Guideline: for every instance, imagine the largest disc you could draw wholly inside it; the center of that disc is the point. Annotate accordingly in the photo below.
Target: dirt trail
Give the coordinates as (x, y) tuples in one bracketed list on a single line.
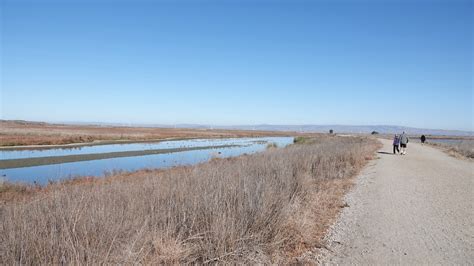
[(412, 209)]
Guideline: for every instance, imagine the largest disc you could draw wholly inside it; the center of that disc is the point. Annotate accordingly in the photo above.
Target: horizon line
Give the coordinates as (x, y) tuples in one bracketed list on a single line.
[(145, 124)]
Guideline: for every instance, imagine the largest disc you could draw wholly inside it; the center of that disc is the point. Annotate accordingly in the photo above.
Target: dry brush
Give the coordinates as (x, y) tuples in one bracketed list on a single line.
[(263, 208), (462, 149)]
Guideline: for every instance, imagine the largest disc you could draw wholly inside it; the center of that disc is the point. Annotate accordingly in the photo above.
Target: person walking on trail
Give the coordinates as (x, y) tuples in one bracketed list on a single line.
[(396, 144), (403, 143), (423, 139)]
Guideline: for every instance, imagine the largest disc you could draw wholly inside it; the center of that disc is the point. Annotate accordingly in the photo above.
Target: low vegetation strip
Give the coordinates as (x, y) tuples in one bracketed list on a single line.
[(262, 208), (36, 161), (464, 148), (22, 133)]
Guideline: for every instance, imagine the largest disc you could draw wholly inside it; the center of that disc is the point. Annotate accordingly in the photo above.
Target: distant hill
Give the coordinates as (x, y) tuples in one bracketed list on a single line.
[(382, 129), (360, 129)]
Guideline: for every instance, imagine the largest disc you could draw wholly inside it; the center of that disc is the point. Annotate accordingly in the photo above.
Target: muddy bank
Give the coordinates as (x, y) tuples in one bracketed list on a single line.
[(26, 162)]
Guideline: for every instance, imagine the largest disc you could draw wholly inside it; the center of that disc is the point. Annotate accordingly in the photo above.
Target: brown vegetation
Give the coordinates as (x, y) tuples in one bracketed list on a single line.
[(14, 133), (262, 208), (464, 148)]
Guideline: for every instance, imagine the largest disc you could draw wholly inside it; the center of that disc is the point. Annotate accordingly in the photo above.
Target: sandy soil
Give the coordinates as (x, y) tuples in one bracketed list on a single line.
[(412, 209)]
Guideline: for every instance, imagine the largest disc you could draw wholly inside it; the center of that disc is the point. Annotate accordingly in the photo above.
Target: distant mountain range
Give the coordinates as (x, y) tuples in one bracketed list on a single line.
[(382, 129), (361, 129)]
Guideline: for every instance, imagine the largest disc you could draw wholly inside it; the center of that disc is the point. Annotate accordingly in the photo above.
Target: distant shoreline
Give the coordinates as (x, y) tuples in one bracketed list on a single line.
[(17, 135)]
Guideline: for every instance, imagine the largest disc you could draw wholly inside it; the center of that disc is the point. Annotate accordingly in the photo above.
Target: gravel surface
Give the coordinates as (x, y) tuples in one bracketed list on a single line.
[(411, 209)]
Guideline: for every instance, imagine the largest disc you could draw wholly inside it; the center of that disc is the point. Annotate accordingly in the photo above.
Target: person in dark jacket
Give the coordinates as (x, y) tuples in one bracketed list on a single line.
[(423, 139), (396, 144), (403, 143)]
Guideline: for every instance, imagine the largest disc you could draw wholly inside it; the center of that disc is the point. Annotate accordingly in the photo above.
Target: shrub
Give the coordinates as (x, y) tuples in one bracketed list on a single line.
[(272, 145)]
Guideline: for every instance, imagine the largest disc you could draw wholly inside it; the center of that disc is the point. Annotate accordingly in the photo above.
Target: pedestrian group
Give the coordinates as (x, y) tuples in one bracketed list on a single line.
[(400, 143)]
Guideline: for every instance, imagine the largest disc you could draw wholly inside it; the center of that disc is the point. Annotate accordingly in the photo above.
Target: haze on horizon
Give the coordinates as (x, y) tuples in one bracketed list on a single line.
[(407, 63)]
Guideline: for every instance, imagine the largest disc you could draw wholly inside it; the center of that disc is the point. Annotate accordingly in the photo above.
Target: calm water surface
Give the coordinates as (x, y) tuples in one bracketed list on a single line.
[(42, 174), (18, 154)]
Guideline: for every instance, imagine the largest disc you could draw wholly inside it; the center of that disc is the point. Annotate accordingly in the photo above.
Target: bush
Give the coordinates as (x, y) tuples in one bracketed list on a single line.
[(300, 140), (272, 145)]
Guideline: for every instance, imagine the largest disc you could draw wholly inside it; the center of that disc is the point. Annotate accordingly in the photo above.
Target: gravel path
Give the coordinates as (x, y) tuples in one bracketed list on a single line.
[(412, 209)]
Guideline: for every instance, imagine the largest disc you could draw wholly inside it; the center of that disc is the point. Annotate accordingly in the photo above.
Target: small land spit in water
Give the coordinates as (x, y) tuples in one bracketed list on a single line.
[(43, 165), (267, 207)]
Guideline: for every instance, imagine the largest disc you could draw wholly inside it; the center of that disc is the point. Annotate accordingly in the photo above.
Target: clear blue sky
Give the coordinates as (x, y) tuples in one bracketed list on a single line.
[(239, 62)]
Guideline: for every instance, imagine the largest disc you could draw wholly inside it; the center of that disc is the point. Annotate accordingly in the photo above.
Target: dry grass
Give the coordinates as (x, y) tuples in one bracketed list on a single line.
[(14, 133), (463, 149), (16, 192), (262, 208)]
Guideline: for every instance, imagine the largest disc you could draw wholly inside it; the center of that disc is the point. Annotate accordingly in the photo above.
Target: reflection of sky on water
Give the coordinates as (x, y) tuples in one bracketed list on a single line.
[(43, 173), (4, 155)]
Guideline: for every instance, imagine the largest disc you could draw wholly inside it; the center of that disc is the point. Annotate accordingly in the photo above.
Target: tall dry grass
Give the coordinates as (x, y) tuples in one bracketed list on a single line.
[(463, 148), (262, 208)]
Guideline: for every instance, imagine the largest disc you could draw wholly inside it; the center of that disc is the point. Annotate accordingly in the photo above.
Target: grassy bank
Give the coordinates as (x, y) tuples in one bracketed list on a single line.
[(463, 149), (262, 208)]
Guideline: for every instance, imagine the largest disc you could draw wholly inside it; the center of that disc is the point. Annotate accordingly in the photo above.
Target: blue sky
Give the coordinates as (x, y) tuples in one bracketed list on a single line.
[(239, 62)]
